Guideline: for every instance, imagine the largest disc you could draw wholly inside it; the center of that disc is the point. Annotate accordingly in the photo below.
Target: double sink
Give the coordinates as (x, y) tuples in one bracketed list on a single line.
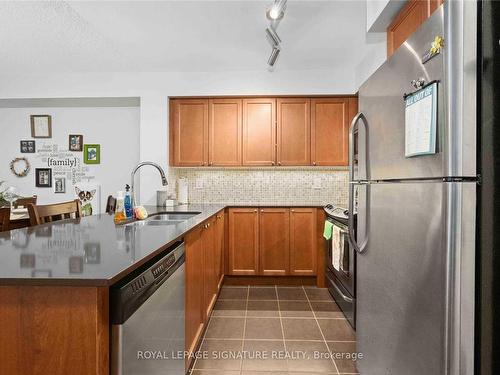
[(166, 218)]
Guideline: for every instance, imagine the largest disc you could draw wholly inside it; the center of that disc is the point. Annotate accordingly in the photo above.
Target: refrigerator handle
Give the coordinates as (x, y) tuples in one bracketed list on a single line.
[(360, 248)]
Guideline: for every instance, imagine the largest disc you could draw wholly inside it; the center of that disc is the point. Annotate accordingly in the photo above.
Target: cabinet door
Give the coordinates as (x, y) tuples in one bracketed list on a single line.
[(408, 21), (194, 288), (209, 272), (243, 241), (274, 241), (224, 130), (303, 241), (189, 132), (259, 131), (330, 131), (219, 248), (294, 131)]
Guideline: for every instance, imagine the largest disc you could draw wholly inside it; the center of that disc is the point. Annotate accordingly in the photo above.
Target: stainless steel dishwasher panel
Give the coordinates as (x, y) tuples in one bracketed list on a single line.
[(151, 340)]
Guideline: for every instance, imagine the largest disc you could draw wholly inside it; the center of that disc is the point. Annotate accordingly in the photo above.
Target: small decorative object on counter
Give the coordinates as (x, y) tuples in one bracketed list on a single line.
[(120, 208), (161, 197), (129, 212), (140, 213)]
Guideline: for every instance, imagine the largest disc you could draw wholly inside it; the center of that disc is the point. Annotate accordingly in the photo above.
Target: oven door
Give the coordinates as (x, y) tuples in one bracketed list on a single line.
[(345, 273)]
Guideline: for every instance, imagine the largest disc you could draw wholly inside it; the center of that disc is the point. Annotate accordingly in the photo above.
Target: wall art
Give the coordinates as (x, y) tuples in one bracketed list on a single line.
[(43, 177), (90, 197), (75, 142), (59, 185), (41, 126), (92, 154), (20, 167), (27, 147)]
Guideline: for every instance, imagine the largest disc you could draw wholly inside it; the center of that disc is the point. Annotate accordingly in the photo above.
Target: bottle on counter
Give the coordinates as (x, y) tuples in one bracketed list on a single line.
[(129, 211), (120, 208)]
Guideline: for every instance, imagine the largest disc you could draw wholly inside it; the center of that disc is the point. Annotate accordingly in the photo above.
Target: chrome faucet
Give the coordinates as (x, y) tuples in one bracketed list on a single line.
[(164, 181)]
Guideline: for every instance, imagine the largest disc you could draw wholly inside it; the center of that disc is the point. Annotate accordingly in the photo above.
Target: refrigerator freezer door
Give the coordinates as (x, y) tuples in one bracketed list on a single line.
[(401, 280)]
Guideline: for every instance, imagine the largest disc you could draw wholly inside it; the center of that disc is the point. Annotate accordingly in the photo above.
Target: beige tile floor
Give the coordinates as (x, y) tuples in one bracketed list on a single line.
[(261, 327)]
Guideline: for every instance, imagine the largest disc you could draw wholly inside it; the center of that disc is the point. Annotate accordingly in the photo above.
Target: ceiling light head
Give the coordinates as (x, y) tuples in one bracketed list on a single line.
[(274, 56), (272, 36), (276, 11)]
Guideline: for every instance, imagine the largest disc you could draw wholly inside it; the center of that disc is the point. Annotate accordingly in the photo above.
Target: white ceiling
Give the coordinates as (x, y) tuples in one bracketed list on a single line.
[(132, 36)]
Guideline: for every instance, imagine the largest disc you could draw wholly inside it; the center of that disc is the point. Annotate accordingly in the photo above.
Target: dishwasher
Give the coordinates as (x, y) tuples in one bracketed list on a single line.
[(147, 318)]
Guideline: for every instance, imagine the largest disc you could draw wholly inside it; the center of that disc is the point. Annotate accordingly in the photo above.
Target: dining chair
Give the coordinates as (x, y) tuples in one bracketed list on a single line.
[(111, 205), (24, 201), (4, 219), (54, 212)]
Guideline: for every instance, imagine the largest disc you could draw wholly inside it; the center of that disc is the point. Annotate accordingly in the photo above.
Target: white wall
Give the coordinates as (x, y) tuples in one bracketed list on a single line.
[(116, 129), (154, 89), (380, 13)]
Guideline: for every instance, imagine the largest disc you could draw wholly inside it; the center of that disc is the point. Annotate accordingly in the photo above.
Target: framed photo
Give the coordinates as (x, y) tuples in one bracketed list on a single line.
[(92, 154), (27, 147), (75, 142), (41, 126), (59, 185), (43, 177)]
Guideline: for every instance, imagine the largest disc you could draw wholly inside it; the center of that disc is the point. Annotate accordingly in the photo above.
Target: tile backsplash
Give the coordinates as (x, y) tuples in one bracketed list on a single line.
[(308, 186)]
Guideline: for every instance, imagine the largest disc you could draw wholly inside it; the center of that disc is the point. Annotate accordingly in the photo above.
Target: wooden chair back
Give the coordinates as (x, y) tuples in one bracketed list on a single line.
[(24, 201), (54, 212), (111, 205), (4, 219)]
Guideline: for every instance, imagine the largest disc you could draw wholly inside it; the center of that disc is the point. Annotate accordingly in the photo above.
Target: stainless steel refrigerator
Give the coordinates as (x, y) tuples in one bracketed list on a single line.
[(416, 215)]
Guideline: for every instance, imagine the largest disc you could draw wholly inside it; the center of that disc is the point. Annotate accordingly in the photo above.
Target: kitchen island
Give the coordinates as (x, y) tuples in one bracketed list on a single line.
[(54, 287)]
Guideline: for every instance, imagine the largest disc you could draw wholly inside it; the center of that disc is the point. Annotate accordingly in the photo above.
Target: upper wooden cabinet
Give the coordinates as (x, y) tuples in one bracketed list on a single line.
[(259, 132), (274, 241), (243, 252), (329, 131), (224, 132), (294, 131), (408, 21), (188, 132)]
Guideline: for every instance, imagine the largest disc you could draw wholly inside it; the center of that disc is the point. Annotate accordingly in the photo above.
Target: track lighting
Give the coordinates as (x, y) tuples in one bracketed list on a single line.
[(274, 56), (272, 36), (277, 10)]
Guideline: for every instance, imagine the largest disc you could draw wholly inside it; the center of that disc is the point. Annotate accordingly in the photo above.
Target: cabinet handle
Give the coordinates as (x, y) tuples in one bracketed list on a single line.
[(261, 210), (293, 210), (314, 163), (254, 210), (279, 163), (272, 163)]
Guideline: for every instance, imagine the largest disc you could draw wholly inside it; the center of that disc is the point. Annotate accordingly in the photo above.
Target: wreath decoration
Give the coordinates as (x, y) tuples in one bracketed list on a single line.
[(14, 167)]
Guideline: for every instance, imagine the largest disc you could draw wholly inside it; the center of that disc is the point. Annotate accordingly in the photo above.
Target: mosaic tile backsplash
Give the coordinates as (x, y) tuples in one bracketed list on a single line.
[(265, 186)]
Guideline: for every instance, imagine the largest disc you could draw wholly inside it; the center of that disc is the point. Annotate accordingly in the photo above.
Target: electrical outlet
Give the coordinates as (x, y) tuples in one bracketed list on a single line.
[(317, 183)]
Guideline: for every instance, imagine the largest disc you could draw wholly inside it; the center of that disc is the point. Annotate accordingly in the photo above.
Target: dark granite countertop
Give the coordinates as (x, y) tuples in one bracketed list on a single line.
[(94, 251)]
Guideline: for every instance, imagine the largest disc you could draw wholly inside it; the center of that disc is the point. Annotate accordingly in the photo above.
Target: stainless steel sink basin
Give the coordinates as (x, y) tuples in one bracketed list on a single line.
[(173, 216)]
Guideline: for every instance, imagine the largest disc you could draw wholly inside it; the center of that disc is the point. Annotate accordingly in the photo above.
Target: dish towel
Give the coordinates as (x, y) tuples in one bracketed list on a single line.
[(336, 248), (327, 232)]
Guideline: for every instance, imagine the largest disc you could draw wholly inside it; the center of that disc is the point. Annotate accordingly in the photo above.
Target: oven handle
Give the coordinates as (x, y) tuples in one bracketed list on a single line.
[(346, 298), (360, 248)]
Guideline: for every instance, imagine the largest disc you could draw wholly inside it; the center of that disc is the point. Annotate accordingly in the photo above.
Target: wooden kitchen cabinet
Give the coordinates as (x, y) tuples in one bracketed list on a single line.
[(330, 120), (303, 241), (225, 132), (219, 247), (243, 251), (259, 131), (408, 20), (274, 241), (194, 303), (210, 281), (293, 131), (189, 132)]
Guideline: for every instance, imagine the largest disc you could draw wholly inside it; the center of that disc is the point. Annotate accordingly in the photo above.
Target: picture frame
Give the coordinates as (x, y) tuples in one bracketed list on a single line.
[(27, 147), (41, 126), (43, 177), (92, 154), (59, 185), (75, 142)]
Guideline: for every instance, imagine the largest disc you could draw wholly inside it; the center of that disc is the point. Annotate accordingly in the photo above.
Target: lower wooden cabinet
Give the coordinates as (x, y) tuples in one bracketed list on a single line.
[(303, 241), (210, 281), (272, 241), (219, 247), (243, 252), (194, 288)]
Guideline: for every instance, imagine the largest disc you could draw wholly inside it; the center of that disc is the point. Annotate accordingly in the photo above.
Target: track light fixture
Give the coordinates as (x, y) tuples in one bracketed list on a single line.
[(272, 36), (276, 11), (274, 56)]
